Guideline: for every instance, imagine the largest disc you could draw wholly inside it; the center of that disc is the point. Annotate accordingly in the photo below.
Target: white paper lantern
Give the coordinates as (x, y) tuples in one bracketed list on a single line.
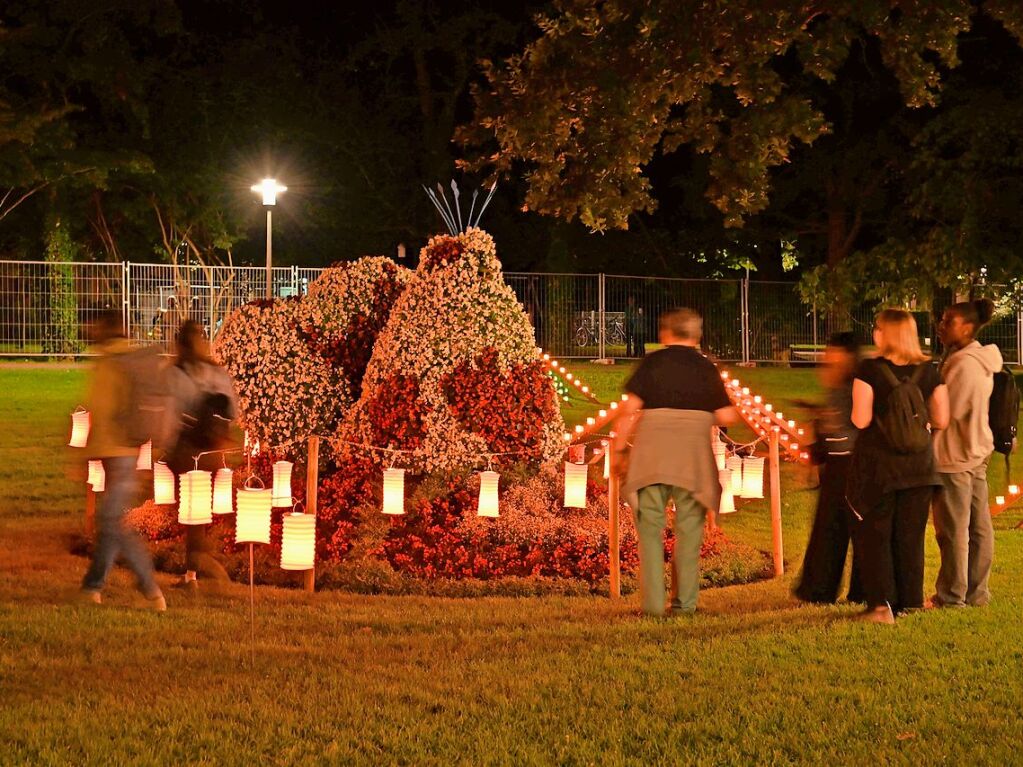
[(163, 483), (488, 503), (720, 451), (999, 500), (752, 478), (1014, 489), (97, 477), (298, 542), (394, 491), (575, 485), (80, 423), (223, 492), (282, 485), (734, 464), (196, 498), (252, 524), (727, 505), (145, 460), (607, 459)]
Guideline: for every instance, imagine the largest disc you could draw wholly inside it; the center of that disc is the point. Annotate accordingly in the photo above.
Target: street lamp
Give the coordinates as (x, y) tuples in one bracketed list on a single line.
[(269, 189)]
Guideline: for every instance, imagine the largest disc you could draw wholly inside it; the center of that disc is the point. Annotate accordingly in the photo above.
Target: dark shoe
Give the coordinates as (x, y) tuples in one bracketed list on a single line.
[(882, 614)]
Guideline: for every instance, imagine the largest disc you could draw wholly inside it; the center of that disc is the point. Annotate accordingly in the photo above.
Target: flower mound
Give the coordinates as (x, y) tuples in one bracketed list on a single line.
[(455, 372)]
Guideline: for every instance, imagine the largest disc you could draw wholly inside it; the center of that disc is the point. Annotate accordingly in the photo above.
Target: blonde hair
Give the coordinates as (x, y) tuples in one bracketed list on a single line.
[(684, 324), (899, 341)]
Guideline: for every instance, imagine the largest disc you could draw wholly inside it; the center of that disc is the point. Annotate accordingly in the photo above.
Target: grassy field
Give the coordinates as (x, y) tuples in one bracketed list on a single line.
[(332, 678)]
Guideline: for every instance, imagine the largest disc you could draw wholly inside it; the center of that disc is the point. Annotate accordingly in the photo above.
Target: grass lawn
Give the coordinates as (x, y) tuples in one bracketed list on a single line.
[(753, 678)]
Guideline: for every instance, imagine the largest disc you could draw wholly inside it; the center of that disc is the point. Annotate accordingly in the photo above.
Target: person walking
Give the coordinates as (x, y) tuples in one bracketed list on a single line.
[(110, 403), (824, 561), (202, 405), (962, 518), (674, 398), (893, 477)]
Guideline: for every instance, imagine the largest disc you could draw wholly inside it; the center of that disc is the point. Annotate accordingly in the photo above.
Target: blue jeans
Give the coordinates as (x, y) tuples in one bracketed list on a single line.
[(113, 537)]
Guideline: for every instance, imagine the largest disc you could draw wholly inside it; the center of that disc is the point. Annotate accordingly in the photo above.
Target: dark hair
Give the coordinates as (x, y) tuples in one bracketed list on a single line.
[(977, 313), (108, 324), (846, 341), (188, 350)]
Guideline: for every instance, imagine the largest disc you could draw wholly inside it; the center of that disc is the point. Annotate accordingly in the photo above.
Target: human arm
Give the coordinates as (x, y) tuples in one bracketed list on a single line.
[(938, 407), (725, 416), (863, 404)]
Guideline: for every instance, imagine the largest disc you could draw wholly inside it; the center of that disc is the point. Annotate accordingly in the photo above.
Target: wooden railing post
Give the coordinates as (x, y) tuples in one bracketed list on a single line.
[(779, 553), (312, 481)]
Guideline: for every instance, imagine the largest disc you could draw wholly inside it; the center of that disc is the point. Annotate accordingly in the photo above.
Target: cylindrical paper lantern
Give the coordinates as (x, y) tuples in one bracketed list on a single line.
[(80, 422), (727, 505), (97, 477), (734, 464), (223, 492), (720, 451), (488, 503), (752, 478), (282, 485), (1014, 489), (196, 498), (575, 485), (394, 491), (999, 500), (145, 459), (298, 542), (253, 522), (163, 483)]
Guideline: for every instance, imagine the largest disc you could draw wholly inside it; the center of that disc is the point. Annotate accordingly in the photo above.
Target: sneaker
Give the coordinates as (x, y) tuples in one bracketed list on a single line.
[(158, 603), (90, 596), (882, 614)]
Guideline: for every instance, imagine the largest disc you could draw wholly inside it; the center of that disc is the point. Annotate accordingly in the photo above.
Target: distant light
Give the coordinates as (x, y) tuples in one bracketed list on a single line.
[(269, 188)]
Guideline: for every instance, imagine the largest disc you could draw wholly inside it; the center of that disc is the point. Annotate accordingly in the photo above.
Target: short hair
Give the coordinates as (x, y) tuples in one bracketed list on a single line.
[(899, 337), (846, 341), (977, 313), (683, 323)]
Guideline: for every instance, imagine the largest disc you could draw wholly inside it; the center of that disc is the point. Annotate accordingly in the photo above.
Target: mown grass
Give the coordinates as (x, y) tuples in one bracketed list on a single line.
[(335, 678)]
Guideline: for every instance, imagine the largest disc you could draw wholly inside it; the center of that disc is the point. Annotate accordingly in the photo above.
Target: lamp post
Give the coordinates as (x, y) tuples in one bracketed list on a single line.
[(269, 189)]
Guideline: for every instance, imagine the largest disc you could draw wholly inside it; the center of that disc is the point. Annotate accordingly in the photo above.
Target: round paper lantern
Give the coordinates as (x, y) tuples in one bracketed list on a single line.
[(282, 485), (80, 422), (727, 505), (752, 478), (298, 542), (488, 503), (163, 483), (196, 498), (97, 477), (394, 491), (575, 485), (223, 492), (145, 459), (254, 508)]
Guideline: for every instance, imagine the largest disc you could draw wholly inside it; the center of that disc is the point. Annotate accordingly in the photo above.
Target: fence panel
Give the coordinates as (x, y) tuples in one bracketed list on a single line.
[(45, 307), (564, 310)]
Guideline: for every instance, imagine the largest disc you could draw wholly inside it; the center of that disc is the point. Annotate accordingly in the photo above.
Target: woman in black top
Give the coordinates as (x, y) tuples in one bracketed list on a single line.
[(890, 491)]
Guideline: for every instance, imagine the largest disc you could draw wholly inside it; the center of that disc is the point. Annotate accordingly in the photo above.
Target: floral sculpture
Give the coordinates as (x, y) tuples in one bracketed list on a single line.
[(298, 363), (455, 377)]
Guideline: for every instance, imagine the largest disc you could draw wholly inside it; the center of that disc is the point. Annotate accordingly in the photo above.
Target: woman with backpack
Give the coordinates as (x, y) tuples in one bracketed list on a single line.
[(962, 518), (203, 403), (898, 398)]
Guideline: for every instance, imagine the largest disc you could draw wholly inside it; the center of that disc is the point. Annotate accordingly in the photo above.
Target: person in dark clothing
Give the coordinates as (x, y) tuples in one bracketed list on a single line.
[(824, 561), (890, 491), (634, 342)]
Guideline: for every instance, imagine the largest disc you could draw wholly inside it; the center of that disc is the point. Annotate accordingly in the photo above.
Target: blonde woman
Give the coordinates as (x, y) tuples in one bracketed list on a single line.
[(890, 484)]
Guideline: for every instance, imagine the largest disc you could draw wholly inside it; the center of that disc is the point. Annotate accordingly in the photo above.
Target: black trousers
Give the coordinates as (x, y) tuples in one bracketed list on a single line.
[(824, 561), (890, 545)]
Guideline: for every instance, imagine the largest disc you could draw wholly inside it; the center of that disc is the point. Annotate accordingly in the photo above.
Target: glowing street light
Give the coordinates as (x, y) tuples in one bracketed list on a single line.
[(269, 189)]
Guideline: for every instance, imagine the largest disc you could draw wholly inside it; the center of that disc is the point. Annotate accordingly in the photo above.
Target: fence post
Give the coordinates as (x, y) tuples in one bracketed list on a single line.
[(602, 314), (778, 545), (312, 479), (126, 298), (744, 318)]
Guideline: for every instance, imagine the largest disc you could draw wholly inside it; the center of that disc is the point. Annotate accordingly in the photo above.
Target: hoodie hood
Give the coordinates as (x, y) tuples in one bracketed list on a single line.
[(989, 356)]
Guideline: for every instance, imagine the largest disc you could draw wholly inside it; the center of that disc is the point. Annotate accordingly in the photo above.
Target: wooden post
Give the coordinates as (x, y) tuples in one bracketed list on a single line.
[(90, 513), (614, 560), (312, 480), (779, 553)]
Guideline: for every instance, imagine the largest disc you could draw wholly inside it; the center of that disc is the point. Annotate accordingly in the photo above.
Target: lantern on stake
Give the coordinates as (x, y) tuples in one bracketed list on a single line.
[(252, 524), (163, 483), (575, 485), (488, 501), (80, 423), (223, 492), (196, 498), (752, 478), (282, 485), (394, 491), (727, 505), (145, 460), (97, 477), (298, 541)]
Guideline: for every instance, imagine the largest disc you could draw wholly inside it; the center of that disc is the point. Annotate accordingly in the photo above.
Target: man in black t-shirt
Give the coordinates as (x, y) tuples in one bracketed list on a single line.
[(675, 397)]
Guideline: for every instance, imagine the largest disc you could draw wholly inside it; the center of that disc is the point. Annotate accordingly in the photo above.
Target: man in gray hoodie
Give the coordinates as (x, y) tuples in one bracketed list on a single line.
[(962, 517)]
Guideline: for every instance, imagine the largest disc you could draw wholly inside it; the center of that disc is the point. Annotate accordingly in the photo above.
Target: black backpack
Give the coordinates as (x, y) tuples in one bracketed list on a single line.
[(206, 427), (904, 421), (1003, 411)]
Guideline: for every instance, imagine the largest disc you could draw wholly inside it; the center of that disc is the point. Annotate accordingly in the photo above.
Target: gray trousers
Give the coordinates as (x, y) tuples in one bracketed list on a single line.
[(966, 538)]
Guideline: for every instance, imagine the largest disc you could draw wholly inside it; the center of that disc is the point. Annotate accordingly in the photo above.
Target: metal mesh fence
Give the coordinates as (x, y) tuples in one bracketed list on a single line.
[(44, 308)]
